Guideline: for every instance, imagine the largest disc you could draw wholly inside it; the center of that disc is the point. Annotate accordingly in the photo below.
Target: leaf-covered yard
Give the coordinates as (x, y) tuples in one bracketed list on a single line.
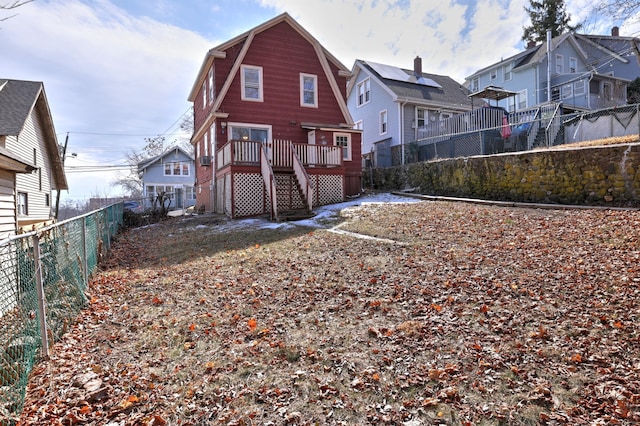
[(409, 314)]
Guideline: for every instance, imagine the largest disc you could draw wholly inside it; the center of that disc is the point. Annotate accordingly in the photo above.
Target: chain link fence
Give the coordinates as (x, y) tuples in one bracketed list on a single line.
[(43, 280), (473, 133)]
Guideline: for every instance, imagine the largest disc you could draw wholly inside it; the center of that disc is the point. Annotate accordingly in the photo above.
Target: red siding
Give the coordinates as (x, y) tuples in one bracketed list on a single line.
[(283, 54)]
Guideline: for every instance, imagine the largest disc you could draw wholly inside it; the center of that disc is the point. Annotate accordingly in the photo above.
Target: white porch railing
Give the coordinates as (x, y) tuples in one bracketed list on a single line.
[(279, 153), (303, 180), (269, 183)]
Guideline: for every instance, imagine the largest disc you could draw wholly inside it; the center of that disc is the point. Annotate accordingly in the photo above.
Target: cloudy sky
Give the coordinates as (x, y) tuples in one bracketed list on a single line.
[(119, 71)]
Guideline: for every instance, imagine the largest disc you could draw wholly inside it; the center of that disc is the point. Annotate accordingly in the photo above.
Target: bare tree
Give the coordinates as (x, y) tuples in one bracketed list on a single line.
[(131, 182), (618, 9), (12, 5)]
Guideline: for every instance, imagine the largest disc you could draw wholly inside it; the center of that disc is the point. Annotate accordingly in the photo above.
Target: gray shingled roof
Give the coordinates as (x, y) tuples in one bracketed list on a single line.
[(450, 92), (17, 99)]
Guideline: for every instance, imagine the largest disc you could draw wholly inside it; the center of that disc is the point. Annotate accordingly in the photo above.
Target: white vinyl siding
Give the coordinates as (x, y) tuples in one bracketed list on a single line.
[(7, 205), (38, 184)]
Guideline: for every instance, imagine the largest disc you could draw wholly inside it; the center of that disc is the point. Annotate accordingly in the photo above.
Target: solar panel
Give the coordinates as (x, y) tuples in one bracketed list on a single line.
[(398, 74)]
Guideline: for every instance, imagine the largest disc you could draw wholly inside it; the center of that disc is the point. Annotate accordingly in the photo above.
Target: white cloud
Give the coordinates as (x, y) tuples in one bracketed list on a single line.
[(104, 72), (451, 38)]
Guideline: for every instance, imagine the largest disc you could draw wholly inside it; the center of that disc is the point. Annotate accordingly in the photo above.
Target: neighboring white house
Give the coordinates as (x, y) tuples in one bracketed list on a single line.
[(30, 162), (171, 173), (389, 104)]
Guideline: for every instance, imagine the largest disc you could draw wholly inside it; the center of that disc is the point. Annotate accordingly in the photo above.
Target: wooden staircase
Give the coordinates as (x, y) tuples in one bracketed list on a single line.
[(288, 183)]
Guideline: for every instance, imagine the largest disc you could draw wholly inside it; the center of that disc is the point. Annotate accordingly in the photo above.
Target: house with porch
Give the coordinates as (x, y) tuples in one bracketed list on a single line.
[(390, 104), (583, 72), (272, 131), (169, 179), (30, 162)]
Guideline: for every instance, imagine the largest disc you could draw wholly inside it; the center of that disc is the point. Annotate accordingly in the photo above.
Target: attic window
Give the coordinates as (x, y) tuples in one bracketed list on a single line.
[(251, 77), (494, 74), (308, 90)]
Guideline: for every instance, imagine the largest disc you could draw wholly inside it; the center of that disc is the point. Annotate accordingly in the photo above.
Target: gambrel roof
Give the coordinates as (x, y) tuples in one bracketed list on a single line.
[(17, 101), (245, 40)]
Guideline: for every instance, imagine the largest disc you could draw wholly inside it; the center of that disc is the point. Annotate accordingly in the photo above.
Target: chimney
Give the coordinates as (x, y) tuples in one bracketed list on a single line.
[(417, 66), (531, 43), (615, 32)]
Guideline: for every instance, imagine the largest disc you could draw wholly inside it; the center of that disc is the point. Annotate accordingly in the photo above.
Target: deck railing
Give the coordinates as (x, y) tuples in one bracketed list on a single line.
[(269, 183), (279, 153), (303, 180)]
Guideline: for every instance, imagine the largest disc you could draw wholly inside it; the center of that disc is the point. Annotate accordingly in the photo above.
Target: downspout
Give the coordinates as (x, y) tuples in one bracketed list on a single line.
[(549, 66), (401, 123)]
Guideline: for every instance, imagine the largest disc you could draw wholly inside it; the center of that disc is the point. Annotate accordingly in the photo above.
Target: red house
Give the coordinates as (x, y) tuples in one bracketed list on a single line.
[(272, 131)]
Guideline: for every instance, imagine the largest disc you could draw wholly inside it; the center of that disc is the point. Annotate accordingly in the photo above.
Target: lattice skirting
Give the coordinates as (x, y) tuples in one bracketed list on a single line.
[(248, 196), (243, 194), (328, 189)]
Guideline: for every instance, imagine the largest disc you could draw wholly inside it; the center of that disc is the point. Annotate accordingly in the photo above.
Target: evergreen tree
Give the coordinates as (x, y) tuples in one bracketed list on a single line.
[(547, 15)]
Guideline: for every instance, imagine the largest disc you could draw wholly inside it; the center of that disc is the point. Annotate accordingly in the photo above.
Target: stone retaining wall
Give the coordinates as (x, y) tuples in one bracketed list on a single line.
[(607, 175)]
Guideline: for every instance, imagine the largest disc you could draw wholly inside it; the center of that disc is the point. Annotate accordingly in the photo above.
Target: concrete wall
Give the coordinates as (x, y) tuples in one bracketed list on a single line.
[(608, 175)]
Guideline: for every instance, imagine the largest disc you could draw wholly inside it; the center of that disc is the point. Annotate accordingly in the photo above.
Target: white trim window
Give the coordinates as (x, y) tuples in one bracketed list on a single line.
[(559, 64), (251, 82), (364, 92), (573, 65), (566, 91), (22, 204), (308, 90), (343, 140), (383, 122), (249, 132), (475, 85), (506, 71), (493, 74), (422, 116), (176, 168), (204, 95), (212, 87), (358, 125), (579, 88), (522, 99)]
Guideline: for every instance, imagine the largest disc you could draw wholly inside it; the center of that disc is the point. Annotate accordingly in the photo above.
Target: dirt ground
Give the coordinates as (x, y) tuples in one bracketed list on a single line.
[(409, 314)]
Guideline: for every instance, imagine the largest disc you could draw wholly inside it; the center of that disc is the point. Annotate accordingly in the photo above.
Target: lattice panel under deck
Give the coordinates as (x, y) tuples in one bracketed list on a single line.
[(329, 189), (248, 197)]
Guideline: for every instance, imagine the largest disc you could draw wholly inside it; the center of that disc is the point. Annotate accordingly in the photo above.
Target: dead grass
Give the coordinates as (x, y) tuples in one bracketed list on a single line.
[(446, 314)]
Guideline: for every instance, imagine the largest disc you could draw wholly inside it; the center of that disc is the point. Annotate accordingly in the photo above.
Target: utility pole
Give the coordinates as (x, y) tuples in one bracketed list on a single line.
[(64, 154)]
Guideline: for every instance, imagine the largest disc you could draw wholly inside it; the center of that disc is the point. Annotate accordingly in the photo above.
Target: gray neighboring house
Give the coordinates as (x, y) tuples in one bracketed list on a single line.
[(172, 173), (30, 162), (586, 72), (389, 104)]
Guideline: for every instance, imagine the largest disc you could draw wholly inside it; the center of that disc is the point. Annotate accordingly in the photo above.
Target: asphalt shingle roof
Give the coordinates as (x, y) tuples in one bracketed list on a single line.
[(17, 99), (450, 92)]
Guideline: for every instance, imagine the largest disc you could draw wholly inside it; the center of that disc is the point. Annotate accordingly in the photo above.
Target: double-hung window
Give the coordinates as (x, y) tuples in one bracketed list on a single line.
[(559, 64), (506, 71), (212, 87), (22, 204), (308, 90), (383, 122), (251, 80), (364, 92), (573, 65)]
